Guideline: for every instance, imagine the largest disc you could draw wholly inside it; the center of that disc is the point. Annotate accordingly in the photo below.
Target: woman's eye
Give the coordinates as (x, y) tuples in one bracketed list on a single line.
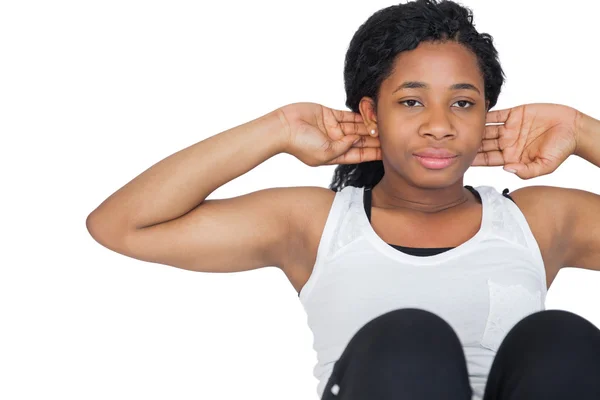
[(460, 101), (465, 101), (406, 101)]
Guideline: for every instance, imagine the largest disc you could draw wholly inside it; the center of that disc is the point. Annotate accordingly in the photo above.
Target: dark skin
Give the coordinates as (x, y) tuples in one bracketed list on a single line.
[(412, 119)]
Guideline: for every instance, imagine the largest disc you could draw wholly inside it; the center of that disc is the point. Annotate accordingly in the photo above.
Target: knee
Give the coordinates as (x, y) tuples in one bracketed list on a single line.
[(398, 353), (547, 349), (554, 334), (554, 326), (408, 331)]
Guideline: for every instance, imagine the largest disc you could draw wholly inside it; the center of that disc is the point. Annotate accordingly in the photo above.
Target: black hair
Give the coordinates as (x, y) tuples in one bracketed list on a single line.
[(389, 31)]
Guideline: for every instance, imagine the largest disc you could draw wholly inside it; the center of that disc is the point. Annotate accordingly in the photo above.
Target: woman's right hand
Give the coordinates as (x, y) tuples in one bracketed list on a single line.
[(317, 135)]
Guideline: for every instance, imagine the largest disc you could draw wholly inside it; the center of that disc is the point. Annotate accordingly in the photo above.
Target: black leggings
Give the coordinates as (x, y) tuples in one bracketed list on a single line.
[(551, 354)]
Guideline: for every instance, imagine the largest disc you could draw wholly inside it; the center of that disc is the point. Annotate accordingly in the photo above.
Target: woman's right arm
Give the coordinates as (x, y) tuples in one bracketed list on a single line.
[(162, 216)]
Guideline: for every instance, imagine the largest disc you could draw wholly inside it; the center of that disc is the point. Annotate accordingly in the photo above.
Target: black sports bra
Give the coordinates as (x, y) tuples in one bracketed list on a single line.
[(421, 251)]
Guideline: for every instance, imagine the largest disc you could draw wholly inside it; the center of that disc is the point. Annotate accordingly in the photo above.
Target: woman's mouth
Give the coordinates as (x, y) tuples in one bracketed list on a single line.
[(436, 162)]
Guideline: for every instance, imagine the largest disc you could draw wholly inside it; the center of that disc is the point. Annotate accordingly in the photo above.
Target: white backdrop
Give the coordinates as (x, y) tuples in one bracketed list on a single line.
[(94, 92)]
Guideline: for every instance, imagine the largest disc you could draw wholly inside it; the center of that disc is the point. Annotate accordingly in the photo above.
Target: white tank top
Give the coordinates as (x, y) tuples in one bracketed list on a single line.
[(482, 288)]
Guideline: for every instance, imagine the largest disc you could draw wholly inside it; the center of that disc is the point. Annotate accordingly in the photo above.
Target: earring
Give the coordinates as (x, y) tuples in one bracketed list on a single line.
[(373, 132)]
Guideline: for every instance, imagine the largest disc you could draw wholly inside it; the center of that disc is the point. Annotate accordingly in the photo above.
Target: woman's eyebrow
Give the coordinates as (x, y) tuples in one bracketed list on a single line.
[(423, 85)]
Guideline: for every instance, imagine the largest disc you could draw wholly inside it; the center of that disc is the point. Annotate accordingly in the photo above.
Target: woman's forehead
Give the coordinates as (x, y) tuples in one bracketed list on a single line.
[(437, 66)]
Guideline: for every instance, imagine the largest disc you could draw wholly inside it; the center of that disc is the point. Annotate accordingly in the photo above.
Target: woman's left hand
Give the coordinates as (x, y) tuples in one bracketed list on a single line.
[(534, 140)]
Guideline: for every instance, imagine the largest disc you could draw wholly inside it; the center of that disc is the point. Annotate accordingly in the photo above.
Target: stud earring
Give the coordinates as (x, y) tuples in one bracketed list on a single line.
[(373, 132)]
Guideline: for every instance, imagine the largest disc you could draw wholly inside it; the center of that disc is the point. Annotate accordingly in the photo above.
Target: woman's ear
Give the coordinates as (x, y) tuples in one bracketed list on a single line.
[(367, 110)]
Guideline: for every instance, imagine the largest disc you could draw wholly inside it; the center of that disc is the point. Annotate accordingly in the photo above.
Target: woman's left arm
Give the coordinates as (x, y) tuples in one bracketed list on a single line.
[(534, 140)]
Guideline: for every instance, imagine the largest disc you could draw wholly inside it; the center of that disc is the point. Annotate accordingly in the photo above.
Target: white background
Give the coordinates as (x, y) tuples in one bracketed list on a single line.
[(95, 92)]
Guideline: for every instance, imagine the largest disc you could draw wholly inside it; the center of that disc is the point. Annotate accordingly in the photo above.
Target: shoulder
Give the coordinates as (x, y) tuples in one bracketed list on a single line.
[(544, 203), (545, 208), (308, 208), (308, 216), (310, 202)]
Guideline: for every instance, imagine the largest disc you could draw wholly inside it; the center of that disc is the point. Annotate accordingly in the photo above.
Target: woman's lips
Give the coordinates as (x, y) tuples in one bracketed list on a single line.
[(436, 162)]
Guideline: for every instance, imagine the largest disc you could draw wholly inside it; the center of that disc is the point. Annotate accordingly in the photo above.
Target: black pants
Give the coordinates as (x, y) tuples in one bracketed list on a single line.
[(414, 354)]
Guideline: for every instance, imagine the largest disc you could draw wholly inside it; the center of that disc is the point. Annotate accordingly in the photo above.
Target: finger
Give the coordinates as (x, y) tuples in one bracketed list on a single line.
[(498, 115), (353, 128), (368, 141), (533, 169), (347, 116), (357, 156), (488, 159), (492, 131), (489, 145)]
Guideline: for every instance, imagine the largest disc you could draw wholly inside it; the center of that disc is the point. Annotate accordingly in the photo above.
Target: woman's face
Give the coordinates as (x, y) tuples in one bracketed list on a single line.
[(411, 119)]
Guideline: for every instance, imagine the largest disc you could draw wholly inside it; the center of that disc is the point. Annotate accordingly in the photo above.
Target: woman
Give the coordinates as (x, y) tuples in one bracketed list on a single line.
[(415, 285)]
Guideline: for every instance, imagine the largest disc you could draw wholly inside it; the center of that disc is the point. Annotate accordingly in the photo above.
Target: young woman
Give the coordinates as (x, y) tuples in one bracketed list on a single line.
[(415, 286)]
